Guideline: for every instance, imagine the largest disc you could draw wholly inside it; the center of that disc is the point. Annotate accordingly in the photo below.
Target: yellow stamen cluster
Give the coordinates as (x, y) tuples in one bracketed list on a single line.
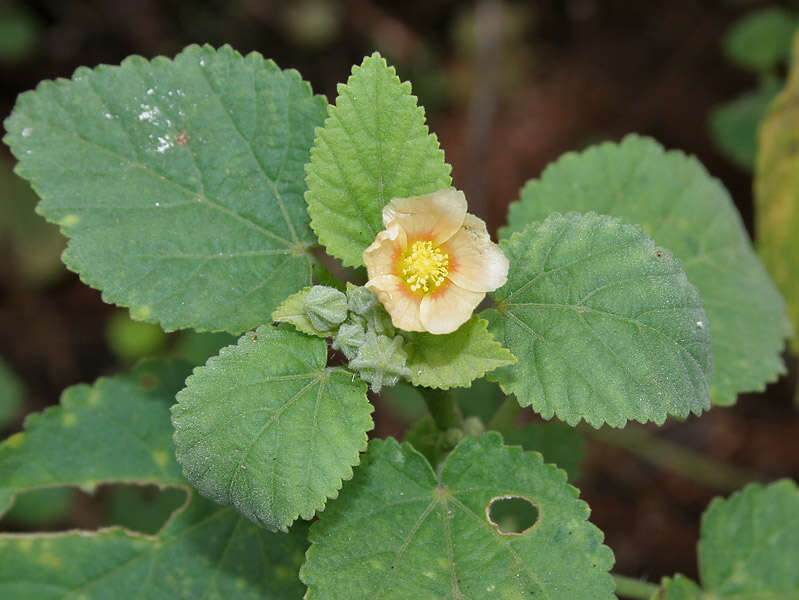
[(424, 267)]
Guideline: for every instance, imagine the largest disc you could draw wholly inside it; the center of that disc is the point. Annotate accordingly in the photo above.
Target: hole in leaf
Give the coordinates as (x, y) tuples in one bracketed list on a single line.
[(512, 515), (140, 508)]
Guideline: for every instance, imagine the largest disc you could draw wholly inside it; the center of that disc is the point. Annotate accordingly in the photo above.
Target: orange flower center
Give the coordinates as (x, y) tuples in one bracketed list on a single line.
[(424, 267)]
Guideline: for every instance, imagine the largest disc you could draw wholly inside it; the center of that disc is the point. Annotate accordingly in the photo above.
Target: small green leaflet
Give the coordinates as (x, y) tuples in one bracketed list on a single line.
[(605, 324), (429, 537), (747, 547), (373, 147), (205, 551), (777, 195), (292, 310), (734, 125), (691, 214), (116, 430), (179, 182), (455, 359), (761, 40), (264, 426)]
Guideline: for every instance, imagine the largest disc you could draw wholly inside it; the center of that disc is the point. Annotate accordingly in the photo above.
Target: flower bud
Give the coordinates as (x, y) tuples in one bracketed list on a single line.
[(350, 337), (325, 307), (360, 300), (381, 360)]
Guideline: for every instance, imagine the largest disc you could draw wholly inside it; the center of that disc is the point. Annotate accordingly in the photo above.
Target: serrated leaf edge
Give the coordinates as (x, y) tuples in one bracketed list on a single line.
[(658, 418), (332, 108), (332, 491), (132, 61), (489, 439), (510, 359)]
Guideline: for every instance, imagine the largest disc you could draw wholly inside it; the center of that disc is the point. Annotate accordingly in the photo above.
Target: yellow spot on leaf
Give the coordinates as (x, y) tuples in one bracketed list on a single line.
[(68, 419), (161, 458), (140, 313), (50, 560), (69, 220), (15, 441), (94, 398), (25, 544)]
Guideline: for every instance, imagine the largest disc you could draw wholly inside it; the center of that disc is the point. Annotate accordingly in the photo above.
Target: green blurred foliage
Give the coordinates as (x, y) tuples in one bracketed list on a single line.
[(38, 509), (10, 395), (143, 508), (19, 34), (132, 340), (761, 40), (734, 125), (199, 347), (35, 244)]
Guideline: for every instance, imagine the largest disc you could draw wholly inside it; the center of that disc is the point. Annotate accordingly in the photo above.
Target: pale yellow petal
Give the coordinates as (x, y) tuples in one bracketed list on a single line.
[(476, 225), (448, 309), (475, 262), (435, 217), (398, 300), (381, 256)]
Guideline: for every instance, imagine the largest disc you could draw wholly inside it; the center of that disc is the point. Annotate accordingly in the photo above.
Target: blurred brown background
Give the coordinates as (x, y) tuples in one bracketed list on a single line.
[(508, 86)]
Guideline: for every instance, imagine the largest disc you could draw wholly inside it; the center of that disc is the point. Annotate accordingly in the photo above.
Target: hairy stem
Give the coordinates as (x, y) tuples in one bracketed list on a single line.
[(663, 453), (627, 587)]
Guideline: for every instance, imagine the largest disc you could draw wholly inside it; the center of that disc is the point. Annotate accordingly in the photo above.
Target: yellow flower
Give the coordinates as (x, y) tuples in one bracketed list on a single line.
[(433, 263)]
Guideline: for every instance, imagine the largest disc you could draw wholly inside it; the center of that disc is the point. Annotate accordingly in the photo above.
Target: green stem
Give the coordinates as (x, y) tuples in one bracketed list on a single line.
[(505, 417), (627, 587), (443, 408), (663, 453)]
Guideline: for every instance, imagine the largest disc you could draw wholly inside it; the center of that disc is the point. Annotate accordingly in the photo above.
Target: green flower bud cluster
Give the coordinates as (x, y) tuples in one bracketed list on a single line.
[(370, 342), (359, 325)]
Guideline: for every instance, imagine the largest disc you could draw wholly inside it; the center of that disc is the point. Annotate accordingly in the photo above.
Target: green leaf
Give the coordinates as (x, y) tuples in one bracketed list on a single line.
[(455, 359), (429, 537), (116, 430), (605, 324), (559, 443), (292, 310), (10, 395), (264, 426), (749, 542), (206, 551), (761, 40), (691, 214), (178, 181), (734, 125), (748, 546), (777, 194), (373, 147)]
